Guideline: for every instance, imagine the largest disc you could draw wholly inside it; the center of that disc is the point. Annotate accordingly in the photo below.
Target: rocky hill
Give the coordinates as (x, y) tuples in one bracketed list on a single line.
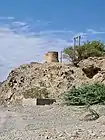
[(94, 68), (49, 80)]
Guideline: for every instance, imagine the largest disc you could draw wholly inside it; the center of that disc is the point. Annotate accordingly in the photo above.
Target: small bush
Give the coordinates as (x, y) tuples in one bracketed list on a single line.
[(88, 49), (36, 92), (86, 95)]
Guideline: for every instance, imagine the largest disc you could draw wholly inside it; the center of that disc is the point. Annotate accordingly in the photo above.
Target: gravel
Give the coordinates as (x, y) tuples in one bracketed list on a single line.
[(53, 122)]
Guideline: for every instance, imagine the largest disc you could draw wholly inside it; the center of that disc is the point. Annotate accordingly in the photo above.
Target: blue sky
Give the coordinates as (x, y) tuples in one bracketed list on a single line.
[(29, 28), (63, 13)]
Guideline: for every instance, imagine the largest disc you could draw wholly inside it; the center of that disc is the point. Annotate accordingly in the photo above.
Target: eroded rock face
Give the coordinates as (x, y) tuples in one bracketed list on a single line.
[(47, 80), (92, 66)]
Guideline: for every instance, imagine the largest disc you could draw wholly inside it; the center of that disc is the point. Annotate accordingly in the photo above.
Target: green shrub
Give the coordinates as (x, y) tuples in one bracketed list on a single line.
[(86, 95), (88, 49), (36, 92)]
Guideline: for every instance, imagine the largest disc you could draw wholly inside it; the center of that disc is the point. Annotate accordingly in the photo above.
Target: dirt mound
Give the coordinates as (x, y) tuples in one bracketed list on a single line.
[(47, 80), (50, 80)]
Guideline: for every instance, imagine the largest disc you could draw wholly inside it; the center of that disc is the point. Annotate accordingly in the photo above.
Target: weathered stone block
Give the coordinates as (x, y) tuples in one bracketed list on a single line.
[(34, 101), (51, 57), (29, 102), (45, 101)]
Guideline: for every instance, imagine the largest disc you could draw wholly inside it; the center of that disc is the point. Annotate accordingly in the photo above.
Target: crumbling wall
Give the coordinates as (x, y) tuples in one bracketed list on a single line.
[(51, 57)]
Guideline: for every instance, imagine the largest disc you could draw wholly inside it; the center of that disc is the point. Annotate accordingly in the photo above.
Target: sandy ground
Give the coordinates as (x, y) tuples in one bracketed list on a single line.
[(49, 122)]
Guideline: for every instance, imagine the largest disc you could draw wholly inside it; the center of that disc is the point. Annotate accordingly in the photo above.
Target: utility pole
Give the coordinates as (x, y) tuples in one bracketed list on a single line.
[(79, 40), (75, 38), (75, 41), (61, 57), (74, 47)]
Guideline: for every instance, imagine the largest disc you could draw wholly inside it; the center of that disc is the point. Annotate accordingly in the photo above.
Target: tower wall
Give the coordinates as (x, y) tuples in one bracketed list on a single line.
[(51, 57)]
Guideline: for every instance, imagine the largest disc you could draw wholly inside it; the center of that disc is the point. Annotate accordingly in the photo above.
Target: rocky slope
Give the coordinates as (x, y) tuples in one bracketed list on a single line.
[(50, 80), (94, 68)]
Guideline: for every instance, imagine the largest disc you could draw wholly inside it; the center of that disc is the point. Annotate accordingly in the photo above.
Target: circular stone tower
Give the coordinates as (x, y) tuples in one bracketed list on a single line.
[(51, 57)]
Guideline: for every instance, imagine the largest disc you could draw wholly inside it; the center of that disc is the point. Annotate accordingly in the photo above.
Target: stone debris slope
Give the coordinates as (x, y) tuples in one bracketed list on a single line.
[(47, 80), (49, 123), (50, 80)]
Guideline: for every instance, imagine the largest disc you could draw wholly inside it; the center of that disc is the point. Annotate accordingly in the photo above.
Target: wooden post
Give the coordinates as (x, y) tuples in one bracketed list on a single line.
[(61, 57), (79, 40), (75, 38), (74, 42)]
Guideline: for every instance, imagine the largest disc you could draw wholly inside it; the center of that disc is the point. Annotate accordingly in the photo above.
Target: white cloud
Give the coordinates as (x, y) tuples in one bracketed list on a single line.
[(10, 18), (17, 23), (7, 18), (83, 36), (92, 31), (55, 31), (20, 43), (90, 34), (18, 47)]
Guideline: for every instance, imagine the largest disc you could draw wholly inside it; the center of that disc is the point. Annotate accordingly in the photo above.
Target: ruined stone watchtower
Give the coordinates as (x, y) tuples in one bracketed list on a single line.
[(51, 57)]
